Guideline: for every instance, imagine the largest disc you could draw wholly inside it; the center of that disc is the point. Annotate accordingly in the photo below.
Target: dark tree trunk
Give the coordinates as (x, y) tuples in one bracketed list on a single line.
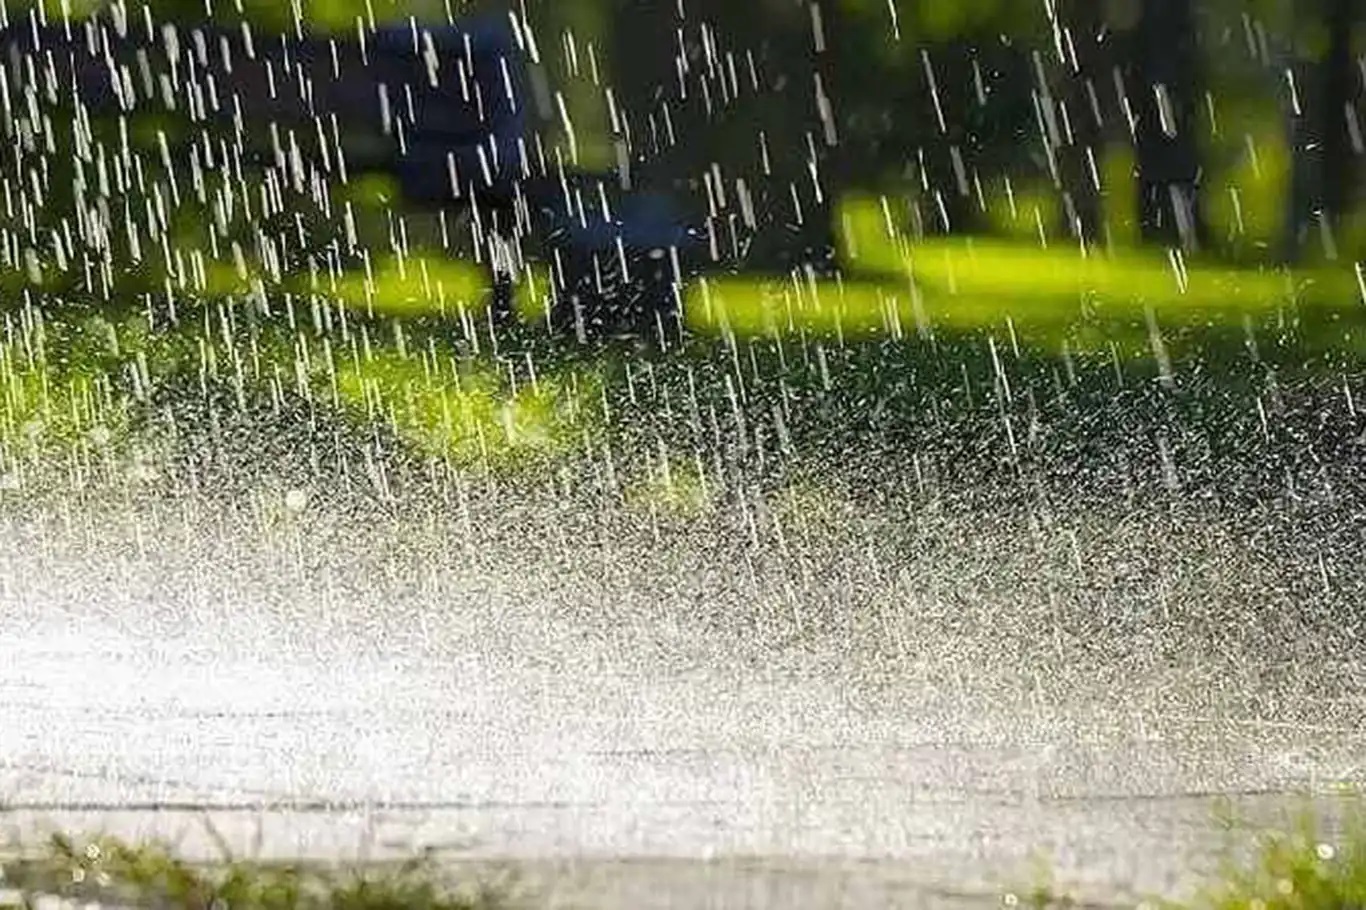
[(1342, 91), (953, 137), (1086, 64), (1324, 133), (739, 151), (1165, 97)]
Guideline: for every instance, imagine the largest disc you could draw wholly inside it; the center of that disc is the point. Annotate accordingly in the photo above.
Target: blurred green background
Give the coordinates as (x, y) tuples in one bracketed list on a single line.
[(1135, 180)]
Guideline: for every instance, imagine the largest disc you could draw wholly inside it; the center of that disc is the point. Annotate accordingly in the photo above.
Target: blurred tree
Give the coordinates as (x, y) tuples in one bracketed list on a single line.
[(1324, 124), (1163, 86), (572, 68), (939, 101), (1081, 56), (1058, 118), (731, 105)]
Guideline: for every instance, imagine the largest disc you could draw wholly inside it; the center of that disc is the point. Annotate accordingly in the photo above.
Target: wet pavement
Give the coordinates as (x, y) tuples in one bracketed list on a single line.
[(351, 707)]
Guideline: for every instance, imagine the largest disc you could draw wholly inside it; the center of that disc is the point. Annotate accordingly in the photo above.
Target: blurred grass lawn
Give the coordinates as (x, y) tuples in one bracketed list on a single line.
[(73, 382), (1044, 296)]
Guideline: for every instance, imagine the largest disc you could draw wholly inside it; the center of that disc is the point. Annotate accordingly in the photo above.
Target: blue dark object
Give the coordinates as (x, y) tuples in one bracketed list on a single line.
[(642, 221), (447, 107), (618, 270)]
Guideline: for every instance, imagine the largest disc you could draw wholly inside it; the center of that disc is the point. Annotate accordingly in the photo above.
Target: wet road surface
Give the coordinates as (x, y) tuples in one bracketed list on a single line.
[(351, 706)]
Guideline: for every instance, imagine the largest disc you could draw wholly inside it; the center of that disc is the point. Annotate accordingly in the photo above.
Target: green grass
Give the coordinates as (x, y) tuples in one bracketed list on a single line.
[(1307, 863), (110, 871), (895, 286), (73, 382), (1303, 868), (1310, 865)]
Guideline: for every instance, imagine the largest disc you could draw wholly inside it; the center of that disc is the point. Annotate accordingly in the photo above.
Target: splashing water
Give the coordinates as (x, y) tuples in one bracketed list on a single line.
[(915, 431)]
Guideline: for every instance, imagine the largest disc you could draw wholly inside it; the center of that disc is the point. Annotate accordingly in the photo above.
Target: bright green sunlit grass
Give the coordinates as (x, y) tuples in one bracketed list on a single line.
[(1046, 294), (470, 416), (406, 287), (75, 384)]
